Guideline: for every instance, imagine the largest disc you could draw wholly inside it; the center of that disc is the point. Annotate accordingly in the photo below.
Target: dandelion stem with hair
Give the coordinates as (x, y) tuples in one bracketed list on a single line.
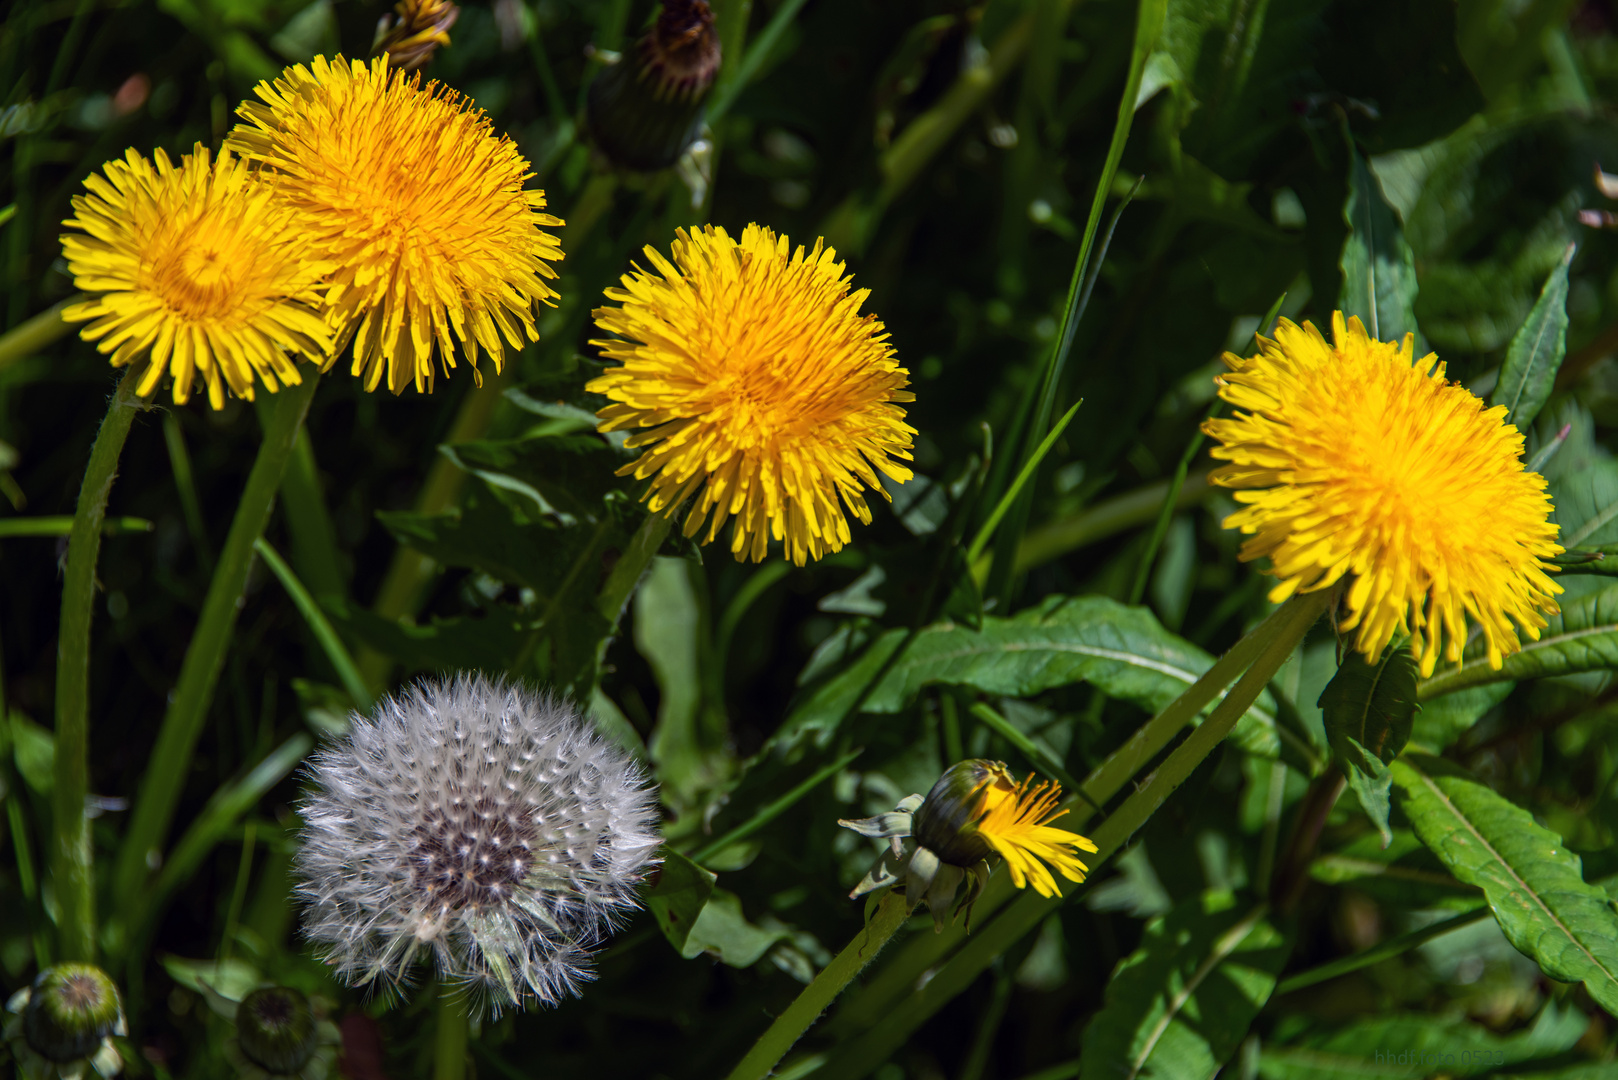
[(72, 860)]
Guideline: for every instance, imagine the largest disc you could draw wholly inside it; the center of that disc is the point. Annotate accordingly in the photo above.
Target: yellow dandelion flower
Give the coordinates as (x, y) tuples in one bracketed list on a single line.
[(1016, 823), (1357, 462), (762, 388), (192, 272), (417, 203)]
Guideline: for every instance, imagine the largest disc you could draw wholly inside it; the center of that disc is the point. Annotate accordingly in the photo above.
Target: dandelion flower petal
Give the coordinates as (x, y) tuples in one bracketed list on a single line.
[(757, 387), (1353, 461), (417, 203), (193, 272)]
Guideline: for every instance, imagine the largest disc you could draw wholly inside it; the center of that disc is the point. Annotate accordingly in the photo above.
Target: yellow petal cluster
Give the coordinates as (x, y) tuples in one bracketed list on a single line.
[(1016, 823), (193, 272), (419, 206), (758, 387), (1354, 461)]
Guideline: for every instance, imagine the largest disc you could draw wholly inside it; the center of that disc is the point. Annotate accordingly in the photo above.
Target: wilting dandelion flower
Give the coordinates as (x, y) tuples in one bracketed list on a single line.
[(764, 392), (194, 272), (417, 204), (478, 823), (63, 1024), (1359, 463), (417, 29), (974, 812)]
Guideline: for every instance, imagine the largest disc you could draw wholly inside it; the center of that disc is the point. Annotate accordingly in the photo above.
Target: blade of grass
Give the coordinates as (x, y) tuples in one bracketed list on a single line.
[(62, 525), (325, 634), (981, 541), (771, 811), (1377, 953), (28, 338), (1037, 756), (733, 82), (1002, 571), (185, 484)]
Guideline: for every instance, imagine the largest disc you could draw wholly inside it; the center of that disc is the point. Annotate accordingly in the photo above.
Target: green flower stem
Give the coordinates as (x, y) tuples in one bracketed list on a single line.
[(1377, 953), (72, 860), (862, 1054), (62, 525), (927, 951), (188, 705), (632, 564), (28, 338), (773, 1045), (454, 1028)]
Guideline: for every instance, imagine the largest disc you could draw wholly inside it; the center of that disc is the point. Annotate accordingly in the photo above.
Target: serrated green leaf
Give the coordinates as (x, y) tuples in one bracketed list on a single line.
[(1404, 873), (678, 897), (1582, 637), (688, 743), (1534, 884), (1410, 1046), (490, 643), (1535, 354), (1367, 710), (1123, 650), (1177, 1008), (1379, 269), (566, 475)]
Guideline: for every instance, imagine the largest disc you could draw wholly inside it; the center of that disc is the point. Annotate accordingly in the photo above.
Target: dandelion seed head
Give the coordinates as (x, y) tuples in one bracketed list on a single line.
[(481, 824)]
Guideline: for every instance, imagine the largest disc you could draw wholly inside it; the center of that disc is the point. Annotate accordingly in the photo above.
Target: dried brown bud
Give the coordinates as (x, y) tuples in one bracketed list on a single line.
[(414, 32), (646, 109)]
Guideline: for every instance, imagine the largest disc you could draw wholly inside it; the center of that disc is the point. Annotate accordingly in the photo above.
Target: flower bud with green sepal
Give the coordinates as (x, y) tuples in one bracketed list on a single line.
[(645, 110), (63, 1024)]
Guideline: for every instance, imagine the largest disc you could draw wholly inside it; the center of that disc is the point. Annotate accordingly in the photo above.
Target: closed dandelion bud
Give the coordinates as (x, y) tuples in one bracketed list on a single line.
[(646, 109), (275, 1029), (414, 32), (64, 1022), (478, 824)]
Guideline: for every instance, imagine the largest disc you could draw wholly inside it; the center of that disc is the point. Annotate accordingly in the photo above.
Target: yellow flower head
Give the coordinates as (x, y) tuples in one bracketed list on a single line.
[(193, 271), (1359, 462), (761, 386), (417, 203)]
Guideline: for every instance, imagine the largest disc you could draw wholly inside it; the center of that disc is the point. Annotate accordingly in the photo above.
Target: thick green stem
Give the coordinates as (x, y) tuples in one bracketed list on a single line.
[(188, 705), (454, 1027), (773, 1045), (72, 861)]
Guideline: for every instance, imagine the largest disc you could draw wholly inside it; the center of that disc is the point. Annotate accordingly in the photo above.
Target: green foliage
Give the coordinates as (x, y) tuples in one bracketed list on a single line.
[(1179, 1006), (1420, 163), (1064, 640), (1535, 885), (1536, 351), (1367, 709)]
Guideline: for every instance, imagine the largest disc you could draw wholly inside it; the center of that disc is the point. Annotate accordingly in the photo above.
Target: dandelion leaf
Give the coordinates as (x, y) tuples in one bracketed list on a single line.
[(1367, 709), (1534, 884)]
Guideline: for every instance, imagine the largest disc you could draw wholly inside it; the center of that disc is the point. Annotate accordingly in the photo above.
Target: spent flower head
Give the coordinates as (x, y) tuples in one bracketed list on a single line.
[(61, 1027), (419, 207), (761, 391), (482, 824), (194, 272), (1354, 461), (974, 812)]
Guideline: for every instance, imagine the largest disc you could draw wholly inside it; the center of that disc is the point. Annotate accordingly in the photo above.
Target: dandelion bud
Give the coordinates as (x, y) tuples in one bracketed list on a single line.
[(65, 1020), (480, 824), (644, 110), (280, 1035), (974, 812), (414, 33)]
